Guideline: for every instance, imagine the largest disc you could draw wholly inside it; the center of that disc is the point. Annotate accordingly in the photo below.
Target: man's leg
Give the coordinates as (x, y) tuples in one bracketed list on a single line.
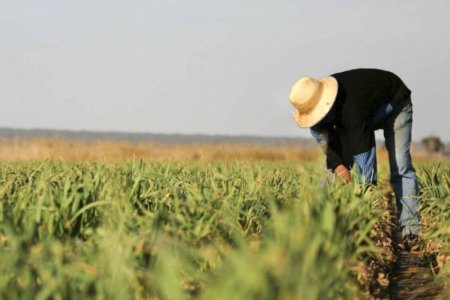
[(397, 134)]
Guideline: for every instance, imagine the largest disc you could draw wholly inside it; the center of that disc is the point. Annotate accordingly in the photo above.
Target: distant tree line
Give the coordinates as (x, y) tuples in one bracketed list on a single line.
[(433, 144)]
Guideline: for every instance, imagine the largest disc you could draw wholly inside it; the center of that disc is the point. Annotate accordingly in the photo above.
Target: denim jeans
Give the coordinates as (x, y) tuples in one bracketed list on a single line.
[(397, 129)]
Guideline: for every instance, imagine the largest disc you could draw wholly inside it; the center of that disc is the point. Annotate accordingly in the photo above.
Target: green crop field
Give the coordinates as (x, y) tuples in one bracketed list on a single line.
[(170, 230)]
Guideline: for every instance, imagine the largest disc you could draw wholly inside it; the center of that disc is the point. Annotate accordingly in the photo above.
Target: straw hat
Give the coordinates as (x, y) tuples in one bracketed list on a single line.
[(312, 99)]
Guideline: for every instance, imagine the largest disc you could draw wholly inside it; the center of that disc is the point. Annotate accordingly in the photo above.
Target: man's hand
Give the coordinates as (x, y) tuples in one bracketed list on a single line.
[(342, 172)]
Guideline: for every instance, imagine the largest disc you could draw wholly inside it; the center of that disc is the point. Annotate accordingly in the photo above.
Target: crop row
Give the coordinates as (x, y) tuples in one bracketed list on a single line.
[(187, 230)]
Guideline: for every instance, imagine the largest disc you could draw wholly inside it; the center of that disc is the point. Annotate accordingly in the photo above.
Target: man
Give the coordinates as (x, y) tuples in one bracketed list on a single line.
[(343, 111)]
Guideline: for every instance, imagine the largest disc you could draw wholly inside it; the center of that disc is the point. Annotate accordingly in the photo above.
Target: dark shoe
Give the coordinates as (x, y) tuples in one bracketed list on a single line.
[(410, 242)]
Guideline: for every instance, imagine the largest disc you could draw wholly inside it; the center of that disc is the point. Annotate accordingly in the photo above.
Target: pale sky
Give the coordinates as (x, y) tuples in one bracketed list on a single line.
[(209, 66)]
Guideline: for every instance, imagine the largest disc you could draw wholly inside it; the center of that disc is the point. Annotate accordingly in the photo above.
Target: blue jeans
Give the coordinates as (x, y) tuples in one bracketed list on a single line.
[(397, 129)]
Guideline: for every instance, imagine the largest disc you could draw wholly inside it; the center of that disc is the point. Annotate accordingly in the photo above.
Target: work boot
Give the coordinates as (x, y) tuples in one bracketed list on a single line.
[(410, 242)]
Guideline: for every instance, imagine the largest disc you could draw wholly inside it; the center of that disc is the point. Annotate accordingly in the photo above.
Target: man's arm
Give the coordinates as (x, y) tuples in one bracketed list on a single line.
[(366, 166), (327, 140), (366, 162)]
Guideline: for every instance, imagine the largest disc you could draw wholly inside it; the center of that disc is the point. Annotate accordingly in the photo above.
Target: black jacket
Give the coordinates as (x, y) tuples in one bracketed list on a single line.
[(360, 93)]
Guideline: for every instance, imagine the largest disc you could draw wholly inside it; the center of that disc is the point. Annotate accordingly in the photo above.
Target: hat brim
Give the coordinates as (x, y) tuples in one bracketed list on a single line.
[(323, 106)]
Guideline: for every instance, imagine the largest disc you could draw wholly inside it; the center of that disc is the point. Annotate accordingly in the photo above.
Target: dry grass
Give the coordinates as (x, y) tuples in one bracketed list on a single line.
[(77, 150)]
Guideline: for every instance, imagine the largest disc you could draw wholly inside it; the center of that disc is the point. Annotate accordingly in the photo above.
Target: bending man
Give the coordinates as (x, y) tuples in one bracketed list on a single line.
[(344, 110)]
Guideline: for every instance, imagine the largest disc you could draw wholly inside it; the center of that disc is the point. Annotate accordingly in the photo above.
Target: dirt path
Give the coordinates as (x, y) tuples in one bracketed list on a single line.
[(411, 276)]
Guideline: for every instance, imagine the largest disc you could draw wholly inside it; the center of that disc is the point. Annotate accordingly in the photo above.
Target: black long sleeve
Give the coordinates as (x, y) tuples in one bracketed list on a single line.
[(361, 93), (327, 138)]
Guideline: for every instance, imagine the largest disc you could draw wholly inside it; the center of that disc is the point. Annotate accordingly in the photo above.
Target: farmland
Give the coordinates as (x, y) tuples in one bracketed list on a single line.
[(204, 230)]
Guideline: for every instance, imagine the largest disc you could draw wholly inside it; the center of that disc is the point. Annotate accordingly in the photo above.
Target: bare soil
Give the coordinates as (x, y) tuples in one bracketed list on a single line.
[(398, 273), (411, 275), (412, 278)]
